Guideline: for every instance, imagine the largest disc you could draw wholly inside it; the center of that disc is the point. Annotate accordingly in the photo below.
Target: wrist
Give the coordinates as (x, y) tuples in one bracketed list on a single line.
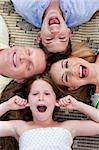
[(7, 106), (79, 105)]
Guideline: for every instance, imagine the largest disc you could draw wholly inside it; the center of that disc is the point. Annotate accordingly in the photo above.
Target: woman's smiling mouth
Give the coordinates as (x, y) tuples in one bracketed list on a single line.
[(83, 71)]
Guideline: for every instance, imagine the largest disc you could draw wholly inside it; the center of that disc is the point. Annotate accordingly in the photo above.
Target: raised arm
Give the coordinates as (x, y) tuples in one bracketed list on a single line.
[(7, 129), (69, 102), (13, 103)]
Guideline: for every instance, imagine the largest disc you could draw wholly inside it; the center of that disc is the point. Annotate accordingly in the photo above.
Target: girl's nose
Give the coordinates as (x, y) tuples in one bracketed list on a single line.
[(41, 97)]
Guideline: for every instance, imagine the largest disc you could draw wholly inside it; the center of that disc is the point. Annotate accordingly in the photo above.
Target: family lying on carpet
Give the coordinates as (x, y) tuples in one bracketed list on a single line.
[(54, 17)]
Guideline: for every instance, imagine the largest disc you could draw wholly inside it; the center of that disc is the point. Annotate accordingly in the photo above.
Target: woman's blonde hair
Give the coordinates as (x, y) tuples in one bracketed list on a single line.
[(79, 49)]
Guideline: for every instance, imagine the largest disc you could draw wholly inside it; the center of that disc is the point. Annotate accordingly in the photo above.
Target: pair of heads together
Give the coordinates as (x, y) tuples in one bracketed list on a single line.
[(21, 63)]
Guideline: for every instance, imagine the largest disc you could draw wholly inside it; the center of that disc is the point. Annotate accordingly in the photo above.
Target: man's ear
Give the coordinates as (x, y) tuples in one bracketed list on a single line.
[(38, 38), (19, 80), (73, 88)]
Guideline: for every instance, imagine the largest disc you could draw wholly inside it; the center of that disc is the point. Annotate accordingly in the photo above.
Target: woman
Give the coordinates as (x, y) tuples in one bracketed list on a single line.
[(42, 132), (58, 69)]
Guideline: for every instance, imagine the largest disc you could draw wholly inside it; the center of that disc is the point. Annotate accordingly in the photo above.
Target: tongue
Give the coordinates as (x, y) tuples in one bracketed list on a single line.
[(41, 108), (85, 72)]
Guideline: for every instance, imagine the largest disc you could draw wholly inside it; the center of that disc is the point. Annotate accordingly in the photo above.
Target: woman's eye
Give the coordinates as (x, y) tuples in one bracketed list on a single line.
[(66, 64), (66, 78)]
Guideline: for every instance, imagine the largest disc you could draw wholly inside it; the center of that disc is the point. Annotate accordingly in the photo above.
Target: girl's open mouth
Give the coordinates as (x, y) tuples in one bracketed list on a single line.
[(41, 108)]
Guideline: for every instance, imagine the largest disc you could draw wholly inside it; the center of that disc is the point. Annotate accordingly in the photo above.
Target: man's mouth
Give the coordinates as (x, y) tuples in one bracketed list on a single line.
[(14, 59), (41, 108), (54, 20), (83, 72)]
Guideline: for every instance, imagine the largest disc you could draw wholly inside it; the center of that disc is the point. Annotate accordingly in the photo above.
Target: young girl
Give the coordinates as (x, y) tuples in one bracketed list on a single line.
[(43, 132)]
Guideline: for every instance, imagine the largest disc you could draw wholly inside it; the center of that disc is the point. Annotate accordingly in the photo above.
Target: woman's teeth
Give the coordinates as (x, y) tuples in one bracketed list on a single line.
[(80, 71), (83, 71)]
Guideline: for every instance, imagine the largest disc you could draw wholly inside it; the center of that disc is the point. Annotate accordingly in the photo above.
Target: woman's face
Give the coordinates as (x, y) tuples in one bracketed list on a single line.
[(42, 100), (72, 72)]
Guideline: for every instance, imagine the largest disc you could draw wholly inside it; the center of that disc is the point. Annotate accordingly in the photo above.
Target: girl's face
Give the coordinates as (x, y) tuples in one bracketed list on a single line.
[(72, 72), (42, 100)]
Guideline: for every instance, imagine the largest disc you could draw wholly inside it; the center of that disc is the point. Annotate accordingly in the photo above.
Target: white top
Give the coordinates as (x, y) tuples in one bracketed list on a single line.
[(4, 41), (51, 138)]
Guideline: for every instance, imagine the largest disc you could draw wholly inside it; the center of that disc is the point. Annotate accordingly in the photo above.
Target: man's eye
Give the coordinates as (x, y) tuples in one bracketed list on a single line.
[(61, 38), (49, 39), (66, 64)]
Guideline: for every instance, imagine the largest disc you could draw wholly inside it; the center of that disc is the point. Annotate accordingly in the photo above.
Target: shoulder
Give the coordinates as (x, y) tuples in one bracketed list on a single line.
[(71, 126)]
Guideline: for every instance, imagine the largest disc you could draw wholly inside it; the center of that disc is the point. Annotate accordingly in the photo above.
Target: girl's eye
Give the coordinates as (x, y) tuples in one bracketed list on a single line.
[(34, 94), (46, 93), (66, 64)]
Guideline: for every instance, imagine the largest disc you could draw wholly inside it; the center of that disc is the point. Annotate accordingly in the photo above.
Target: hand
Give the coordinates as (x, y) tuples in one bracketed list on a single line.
[(68, 102), (16, 103)]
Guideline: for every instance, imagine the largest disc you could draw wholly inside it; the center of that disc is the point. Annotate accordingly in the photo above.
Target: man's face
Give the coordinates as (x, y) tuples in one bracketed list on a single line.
[(22, 62), (54, 32)]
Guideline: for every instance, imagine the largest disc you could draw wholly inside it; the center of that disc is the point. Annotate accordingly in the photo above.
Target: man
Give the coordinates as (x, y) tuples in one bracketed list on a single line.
[(55, 17), (17, 62)]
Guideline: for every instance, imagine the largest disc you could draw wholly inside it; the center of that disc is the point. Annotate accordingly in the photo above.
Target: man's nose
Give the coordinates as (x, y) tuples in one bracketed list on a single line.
[(24, 58)]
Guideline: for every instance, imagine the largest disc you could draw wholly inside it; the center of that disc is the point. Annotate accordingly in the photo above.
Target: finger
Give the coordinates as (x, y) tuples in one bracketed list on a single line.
[(57, 104), (27, 105), (61, 103)]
